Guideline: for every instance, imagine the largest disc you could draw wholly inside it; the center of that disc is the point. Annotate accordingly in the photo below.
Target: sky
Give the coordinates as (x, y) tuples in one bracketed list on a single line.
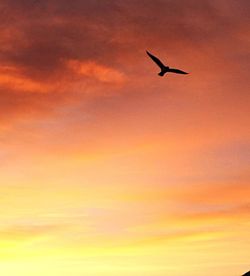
[(109, 169)]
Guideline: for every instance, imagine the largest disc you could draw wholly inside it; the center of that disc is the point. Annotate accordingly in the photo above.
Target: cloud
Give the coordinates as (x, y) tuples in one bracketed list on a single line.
[(42, 34), (56, 48), (28, 231), (96, 71)]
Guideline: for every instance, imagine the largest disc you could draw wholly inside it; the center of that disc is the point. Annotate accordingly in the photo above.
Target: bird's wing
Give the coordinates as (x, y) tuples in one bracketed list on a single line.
[(173, 70), (156, 60)]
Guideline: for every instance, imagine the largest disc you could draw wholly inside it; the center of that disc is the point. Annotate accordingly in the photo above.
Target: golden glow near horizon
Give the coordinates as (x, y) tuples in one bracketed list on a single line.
[(108, 169)]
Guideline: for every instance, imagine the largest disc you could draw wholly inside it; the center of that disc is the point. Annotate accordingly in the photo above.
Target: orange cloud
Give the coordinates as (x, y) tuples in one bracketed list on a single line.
[(12, 80), (92, 69)]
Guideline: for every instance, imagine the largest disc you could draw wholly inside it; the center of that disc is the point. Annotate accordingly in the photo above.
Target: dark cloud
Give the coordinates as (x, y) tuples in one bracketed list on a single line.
[(52, 31), (40, 37)]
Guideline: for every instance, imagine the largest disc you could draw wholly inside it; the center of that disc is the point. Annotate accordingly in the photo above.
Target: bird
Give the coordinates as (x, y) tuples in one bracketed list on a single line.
[(164, 69)]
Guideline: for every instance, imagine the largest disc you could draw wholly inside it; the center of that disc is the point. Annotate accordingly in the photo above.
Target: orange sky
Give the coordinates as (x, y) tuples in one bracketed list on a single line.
[(108, 169)]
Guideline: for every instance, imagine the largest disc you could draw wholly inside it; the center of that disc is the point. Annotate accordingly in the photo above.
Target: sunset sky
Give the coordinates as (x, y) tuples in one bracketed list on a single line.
[(107, 169)]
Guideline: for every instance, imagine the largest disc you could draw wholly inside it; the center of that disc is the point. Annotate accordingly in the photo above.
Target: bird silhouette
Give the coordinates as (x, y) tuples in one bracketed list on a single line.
[(164, 69)]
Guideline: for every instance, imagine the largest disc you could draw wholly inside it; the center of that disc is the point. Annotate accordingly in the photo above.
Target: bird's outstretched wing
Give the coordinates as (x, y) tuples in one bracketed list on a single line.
[(173, 70), (156, 60)]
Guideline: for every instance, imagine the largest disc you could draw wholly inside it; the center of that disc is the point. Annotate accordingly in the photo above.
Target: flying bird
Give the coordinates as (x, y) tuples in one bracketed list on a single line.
[(164, 69)]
